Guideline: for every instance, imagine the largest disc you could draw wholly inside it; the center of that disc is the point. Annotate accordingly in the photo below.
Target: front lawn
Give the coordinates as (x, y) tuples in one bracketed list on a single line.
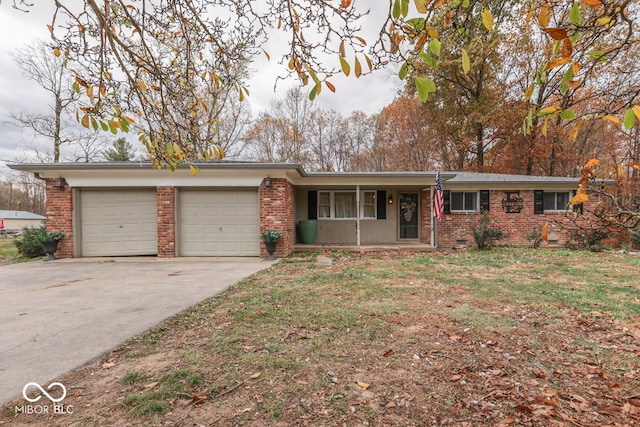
[(8, 251), (502, 337)]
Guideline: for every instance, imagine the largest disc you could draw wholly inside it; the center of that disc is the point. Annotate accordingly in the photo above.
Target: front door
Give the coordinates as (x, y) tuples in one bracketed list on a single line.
[(409, 215)]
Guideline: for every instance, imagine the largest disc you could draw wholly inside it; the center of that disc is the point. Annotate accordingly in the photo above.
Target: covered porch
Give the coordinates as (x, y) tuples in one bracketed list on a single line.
[(361, 211)]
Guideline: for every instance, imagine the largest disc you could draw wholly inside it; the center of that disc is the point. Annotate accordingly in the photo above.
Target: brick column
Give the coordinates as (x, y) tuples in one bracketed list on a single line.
[(166, 222), (425, 216), (59, 207), (276, 214)]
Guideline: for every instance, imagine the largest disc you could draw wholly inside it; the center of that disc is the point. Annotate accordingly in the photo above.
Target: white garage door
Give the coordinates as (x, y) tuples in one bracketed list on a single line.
[(118, 222), (219, 223)]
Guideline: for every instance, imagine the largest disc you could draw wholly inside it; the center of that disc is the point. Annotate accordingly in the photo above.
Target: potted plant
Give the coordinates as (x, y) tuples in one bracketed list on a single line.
[(270, 239), (49, 241)]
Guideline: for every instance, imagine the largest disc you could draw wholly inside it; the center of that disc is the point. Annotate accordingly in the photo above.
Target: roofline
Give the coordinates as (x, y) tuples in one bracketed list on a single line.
[(458, 178), (399, 174), (106, 166), (35, 167), (547, 180), (558, 180)]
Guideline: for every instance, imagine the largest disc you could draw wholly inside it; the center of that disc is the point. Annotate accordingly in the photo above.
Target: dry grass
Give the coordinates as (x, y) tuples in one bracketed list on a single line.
[(8, 250), (505, 337)]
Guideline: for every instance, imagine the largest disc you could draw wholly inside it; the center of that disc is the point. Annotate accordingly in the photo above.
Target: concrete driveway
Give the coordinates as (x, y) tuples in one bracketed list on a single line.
[(57, 316)]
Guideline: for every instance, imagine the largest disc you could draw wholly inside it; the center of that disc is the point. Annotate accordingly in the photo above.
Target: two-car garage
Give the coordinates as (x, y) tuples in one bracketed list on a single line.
[(124, 222)]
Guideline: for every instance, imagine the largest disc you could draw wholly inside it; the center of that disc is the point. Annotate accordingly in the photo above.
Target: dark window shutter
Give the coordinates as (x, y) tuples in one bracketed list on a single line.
[(538, 202), (447, 201), (312, 208), (485, 201), (381, 202)]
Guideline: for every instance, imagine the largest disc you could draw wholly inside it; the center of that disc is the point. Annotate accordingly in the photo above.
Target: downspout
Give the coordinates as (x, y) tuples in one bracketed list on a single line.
[(38, 176)]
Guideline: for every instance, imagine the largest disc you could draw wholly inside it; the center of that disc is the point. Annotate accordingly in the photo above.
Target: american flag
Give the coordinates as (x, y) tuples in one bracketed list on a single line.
[(438, 202)]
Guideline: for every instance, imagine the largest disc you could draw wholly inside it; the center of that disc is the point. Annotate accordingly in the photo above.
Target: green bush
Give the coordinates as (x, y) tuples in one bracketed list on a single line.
[(30, 243), (487, 232)]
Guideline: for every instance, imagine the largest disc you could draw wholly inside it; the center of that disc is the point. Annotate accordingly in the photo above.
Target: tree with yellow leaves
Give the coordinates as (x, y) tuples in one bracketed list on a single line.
[(150, 59)]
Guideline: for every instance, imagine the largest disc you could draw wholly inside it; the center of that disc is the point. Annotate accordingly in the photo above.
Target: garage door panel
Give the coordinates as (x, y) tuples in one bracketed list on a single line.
[(219, 223), (118, 222)]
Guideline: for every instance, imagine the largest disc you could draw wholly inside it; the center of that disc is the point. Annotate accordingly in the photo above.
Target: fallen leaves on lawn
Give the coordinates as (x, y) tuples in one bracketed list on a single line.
[(432, 354), (198, 398)]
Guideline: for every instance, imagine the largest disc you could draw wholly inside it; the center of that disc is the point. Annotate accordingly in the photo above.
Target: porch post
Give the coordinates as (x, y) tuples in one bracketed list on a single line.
[(357, 215)]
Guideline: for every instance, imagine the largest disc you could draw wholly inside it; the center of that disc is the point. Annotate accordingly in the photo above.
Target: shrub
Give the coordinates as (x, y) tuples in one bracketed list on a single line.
[(535, 238), (487, 232), (30, 243), (588, 239)]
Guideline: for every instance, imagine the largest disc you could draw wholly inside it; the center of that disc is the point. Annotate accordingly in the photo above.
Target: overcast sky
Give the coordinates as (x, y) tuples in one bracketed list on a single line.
[(368, 94)]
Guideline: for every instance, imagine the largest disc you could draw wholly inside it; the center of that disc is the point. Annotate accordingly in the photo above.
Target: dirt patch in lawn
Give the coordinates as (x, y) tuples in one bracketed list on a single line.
[(394, 339)]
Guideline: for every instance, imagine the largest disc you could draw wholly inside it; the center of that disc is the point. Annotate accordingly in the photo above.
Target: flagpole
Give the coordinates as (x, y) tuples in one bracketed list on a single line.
[(435, 231), (434, 221)]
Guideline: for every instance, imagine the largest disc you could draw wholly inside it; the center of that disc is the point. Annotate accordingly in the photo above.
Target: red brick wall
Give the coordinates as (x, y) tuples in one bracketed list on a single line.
[(276, 214), (166, 222), (458, 226), (425, 216), (59, 207)]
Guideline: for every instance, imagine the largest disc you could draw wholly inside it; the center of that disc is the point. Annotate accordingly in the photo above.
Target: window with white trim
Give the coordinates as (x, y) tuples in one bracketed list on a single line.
[(556, 200), (368, 204), (342, 204), (324, 204), (464, 201)]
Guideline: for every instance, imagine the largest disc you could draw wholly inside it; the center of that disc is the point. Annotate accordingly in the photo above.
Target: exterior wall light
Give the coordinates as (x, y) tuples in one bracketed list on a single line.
[(59, 183)]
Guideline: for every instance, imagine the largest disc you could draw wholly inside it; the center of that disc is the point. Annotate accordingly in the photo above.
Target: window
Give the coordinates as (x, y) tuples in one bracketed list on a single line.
[(324, 204), (345, 204), (556, 201), (368, 204), (342, 204), (463, 201)]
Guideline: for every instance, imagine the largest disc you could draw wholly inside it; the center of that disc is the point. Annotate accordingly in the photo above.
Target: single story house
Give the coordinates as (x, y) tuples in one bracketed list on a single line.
[(19, 220), (132, 209)]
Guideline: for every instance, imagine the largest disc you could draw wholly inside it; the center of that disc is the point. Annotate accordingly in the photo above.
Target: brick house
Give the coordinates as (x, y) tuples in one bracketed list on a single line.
[(131, 209)]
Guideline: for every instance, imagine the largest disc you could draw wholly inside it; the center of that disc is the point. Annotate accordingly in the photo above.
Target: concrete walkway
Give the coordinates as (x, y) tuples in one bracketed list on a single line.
[(57, 316)]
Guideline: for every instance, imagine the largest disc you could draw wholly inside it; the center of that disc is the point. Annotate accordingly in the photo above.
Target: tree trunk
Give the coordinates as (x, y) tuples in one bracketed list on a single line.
[(480, 146), (56, 132)]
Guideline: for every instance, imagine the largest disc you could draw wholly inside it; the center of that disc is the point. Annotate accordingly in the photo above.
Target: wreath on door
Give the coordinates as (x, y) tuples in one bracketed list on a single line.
[(407, 209)]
